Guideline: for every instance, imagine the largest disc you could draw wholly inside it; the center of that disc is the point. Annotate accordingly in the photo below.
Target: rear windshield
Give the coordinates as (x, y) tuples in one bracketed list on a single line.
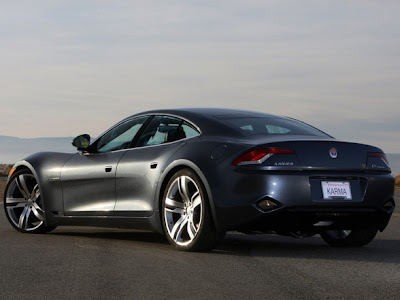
[(275, 126)]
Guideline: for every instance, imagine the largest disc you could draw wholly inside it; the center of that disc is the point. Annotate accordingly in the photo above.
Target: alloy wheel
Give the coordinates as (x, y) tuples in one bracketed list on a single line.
[(23, 203), (183, 210)]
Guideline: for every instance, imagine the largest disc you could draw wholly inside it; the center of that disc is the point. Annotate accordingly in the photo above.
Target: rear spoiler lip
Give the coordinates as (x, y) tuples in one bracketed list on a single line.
[(320, 170), (265, 140)]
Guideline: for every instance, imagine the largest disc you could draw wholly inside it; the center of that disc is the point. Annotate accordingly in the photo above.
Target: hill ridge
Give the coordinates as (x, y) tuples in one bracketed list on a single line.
[(13, 149)]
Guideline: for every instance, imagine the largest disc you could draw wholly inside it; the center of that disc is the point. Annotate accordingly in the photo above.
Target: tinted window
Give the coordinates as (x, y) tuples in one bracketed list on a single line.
[(163, 129), (189, 130), (120, 136), (277, 126)]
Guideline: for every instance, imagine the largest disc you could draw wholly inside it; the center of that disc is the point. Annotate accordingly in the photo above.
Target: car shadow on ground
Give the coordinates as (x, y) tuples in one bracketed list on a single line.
[(379, 250), (115, 234), (235, 244)]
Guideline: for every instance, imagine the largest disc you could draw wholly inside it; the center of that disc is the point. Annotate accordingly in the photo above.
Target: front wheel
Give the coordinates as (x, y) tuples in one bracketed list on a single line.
[(23, 204), (186, 213), (349, 238)]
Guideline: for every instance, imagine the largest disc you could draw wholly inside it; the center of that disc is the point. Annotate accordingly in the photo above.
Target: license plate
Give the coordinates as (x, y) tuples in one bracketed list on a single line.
[(336, 190)]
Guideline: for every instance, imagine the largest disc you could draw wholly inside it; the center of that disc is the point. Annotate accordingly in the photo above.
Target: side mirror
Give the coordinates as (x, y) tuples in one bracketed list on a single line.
[(81, 142)]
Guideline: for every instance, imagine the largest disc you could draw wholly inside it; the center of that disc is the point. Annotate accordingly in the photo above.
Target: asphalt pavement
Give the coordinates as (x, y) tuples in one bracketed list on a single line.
[(97, 263)]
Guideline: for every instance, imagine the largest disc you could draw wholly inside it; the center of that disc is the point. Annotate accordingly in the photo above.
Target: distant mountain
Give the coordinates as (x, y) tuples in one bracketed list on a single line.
[(13, 149)]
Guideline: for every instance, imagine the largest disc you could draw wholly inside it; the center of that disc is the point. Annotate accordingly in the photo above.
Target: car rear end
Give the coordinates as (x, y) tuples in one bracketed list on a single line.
[(304, 183)]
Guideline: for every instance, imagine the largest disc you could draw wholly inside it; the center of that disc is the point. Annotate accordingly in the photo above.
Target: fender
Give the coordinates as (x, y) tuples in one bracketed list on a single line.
[(23, 164), (182, 163), (46, 167)]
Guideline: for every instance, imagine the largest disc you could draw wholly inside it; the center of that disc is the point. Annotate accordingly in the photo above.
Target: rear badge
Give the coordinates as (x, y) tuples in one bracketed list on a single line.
[(333, 153)]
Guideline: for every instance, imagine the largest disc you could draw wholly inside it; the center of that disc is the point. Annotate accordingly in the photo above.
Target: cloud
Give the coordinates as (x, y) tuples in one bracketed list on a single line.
[(76, 66)]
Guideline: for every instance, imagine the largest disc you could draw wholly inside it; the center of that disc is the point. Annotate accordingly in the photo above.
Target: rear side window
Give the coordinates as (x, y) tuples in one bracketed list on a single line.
[(165, 129), (273, 126), (189, 130)]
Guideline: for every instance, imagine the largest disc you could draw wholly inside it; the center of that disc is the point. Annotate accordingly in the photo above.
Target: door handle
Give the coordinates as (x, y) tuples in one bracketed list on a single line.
[(108, 169), (153, 165)]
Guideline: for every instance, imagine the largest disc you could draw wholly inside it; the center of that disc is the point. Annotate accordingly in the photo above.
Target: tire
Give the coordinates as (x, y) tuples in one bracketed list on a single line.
[(349, 238), (23, 204), (186, 214)]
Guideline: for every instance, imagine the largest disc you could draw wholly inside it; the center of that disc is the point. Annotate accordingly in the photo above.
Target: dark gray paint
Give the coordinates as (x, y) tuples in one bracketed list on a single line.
[(78, 189)]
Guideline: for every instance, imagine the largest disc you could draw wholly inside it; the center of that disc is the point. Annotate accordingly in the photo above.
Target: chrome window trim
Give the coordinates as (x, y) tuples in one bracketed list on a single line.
[(178, 117), (148, 117), (173, 116)]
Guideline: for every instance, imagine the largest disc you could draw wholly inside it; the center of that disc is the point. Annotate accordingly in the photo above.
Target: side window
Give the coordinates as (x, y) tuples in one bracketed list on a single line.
[(272, 129), (247, 127), (189, 130), (120, 136), (163, 129)]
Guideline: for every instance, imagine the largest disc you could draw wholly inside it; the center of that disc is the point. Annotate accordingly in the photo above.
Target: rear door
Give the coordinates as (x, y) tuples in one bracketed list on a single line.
[(139, 170)]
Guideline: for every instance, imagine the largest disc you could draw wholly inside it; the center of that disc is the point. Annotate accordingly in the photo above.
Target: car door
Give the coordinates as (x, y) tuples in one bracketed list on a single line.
[(140, 168), (88, 178)]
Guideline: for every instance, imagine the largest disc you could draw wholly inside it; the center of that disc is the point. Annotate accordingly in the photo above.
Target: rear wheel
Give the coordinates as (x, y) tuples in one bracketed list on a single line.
[(349, 238), (186, 213), (23, 204)]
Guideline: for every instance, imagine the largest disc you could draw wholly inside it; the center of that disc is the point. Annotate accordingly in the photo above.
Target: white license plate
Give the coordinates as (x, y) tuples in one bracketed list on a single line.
[(336, 190)]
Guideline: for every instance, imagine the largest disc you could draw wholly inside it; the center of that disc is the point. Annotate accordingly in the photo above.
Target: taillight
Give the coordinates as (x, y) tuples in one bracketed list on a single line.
[(258, 156), (380, 155)]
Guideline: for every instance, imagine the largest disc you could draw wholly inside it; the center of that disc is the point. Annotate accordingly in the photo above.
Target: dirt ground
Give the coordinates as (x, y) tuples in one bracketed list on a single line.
[(2, 186)]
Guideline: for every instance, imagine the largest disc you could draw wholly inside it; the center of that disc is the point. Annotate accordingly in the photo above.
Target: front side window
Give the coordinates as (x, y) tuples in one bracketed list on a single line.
[(121, 136)]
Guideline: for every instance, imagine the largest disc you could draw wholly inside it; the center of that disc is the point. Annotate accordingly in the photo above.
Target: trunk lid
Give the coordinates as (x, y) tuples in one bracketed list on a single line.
[(314, 153)]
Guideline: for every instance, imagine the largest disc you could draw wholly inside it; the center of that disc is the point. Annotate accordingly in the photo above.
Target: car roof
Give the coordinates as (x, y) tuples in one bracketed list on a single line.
[(211, 112)]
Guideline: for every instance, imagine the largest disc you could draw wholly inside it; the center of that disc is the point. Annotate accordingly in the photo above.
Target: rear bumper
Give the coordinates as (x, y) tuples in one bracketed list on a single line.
[(300, 201)]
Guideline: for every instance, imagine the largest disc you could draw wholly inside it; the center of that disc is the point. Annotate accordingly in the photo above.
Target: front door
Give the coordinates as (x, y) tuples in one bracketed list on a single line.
[(88, 183), (88, 178)]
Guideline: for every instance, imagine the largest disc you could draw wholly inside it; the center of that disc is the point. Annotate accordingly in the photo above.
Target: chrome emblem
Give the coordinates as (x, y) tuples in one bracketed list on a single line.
[(333, 153)]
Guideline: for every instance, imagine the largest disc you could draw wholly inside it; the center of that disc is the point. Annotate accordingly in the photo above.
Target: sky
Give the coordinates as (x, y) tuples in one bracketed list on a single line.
[(72, 67)]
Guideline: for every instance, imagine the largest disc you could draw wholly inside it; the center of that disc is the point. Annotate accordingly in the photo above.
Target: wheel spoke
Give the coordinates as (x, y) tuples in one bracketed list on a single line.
[(35, 193), (38, 208), (21, 184), (197, 193), (38, 211), (19, 205), (191, 229), (175, 210), (180, 230), (23, 218), (10, 201), (196, 202), (346, 232), (183, 188), (176, 227), (172, 203)]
